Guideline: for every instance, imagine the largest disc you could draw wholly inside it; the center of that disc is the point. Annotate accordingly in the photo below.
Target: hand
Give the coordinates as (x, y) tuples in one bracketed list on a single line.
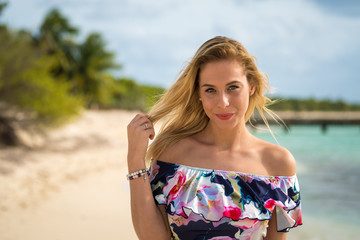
[(139, 130)]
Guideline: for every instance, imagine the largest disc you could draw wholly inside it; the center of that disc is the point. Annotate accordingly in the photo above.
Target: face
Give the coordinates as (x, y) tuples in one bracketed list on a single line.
[(224, 91)]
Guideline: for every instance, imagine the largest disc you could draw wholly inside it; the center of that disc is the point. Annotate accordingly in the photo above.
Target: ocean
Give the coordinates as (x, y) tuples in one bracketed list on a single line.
[(328, 169)]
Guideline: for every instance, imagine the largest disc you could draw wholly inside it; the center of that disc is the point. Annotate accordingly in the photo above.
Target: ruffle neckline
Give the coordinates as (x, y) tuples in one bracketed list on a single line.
[(219, 194), (201, 169)]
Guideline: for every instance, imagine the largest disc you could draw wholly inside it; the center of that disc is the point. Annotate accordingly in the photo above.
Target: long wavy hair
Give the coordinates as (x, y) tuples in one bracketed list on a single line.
[(180, 110)]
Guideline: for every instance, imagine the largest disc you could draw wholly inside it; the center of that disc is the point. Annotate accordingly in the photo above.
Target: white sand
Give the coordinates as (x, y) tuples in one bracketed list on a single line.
[(74, 187)]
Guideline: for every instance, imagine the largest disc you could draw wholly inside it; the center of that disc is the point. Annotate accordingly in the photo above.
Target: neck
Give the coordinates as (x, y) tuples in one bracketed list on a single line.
[(227, 139)]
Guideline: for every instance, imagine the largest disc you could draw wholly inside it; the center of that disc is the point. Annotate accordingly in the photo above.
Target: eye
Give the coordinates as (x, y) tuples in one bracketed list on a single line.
[(233, 87), (210, 90)]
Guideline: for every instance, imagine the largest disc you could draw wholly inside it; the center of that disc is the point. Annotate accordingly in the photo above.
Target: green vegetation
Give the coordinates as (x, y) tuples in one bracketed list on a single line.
[(311, 104), (26, 83), (132, 96), (48, 77), (75, 75)]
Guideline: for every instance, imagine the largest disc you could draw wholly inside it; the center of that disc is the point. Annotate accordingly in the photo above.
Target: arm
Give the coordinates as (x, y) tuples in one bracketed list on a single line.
[(147, 218), (272, 233)]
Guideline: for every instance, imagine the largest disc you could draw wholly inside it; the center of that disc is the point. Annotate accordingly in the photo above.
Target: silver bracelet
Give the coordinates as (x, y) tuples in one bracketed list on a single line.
[(139, 173)]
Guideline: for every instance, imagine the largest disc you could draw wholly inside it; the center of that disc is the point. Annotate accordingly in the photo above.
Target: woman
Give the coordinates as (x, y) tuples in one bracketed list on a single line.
[(210, 178)]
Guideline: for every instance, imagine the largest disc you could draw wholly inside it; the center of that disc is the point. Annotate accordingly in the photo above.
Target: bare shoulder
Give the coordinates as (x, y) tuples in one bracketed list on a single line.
[(277, 160), (175, 153)]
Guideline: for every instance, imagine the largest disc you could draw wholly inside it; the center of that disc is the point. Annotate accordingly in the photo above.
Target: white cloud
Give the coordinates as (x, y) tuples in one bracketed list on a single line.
[(294, 41)]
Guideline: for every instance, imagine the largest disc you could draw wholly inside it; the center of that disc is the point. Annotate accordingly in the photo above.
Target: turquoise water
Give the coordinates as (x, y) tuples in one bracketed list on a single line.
[(328, 168)]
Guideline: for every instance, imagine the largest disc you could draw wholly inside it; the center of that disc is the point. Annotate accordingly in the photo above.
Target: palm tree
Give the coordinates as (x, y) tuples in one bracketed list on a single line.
[(58, 35), (2, 6), (85, 65), (93, 68)]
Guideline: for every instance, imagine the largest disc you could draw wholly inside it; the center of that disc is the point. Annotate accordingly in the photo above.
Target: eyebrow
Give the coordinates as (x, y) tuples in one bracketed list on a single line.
[(209, 85)]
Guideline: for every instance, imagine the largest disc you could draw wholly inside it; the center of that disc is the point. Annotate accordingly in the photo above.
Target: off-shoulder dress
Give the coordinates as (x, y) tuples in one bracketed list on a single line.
[(216, 204)]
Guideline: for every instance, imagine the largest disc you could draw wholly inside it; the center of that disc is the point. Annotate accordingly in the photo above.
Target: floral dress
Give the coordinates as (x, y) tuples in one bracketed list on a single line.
[(216, 204)]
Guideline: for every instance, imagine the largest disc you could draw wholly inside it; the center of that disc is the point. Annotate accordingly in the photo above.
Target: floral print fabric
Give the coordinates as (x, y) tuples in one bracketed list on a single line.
[(215, 204)]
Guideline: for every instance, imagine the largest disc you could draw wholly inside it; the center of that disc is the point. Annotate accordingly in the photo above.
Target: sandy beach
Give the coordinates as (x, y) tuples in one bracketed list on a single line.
[(70, 186)]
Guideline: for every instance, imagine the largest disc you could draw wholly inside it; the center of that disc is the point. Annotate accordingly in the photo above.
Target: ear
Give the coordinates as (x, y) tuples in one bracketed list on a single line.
[(252, 90)]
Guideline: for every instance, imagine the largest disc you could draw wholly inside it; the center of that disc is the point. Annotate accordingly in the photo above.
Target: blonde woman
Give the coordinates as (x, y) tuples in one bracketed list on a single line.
[(209, 177)]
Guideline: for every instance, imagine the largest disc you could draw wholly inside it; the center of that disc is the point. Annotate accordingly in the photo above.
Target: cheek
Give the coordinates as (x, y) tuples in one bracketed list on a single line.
[(207, 104), (243, 102)]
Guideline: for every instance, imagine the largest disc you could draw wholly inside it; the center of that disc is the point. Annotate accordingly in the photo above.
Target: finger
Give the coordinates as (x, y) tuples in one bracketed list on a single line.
[(134, 120), (138, 120), (145, 124), (141, 119), (137, 117), (151, 133), (152, 136), (149, 127)]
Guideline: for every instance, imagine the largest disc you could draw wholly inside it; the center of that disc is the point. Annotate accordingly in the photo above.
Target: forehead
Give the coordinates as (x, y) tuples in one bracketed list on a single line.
[(221, 72)]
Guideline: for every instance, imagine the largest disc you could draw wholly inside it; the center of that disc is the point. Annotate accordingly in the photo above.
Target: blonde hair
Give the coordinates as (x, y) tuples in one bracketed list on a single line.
[(179, 108)]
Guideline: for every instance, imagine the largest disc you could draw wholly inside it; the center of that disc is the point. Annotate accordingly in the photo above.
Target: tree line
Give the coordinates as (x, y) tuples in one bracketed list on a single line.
[(311, 104)]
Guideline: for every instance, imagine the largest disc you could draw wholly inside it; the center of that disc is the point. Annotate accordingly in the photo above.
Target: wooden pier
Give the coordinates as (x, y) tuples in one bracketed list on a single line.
[(324, 119)]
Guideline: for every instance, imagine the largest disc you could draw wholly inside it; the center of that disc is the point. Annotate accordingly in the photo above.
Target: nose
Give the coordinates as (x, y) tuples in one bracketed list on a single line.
[(223, 100)]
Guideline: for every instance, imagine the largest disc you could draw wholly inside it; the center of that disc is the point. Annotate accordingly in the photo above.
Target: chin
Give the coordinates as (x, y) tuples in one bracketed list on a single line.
[(225, 125)]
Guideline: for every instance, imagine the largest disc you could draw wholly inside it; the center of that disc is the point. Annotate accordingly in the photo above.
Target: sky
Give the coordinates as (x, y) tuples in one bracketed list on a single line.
[(308, 48)]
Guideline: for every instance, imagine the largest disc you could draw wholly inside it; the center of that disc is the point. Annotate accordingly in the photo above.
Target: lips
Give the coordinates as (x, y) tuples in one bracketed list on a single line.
[(224, 116)]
